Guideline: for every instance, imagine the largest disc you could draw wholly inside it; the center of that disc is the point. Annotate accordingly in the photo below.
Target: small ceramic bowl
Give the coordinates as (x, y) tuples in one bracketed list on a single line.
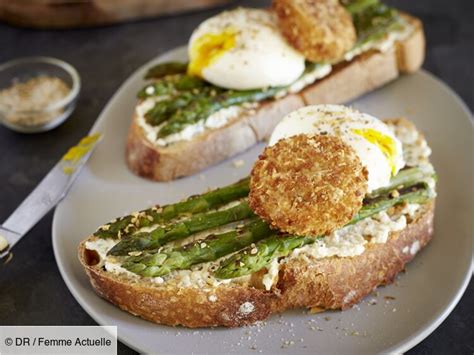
[(23, 69)]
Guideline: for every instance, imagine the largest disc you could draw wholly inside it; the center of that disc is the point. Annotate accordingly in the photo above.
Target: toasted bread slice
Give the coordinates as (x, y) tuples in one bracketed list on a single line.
[(364, 73), (299, 280), (327, 283)]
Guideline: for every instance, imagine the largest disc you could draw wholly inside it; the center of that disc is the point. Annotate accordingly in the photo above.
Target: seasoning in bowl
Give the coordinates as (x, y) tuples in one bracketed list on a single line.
[(26, 103), (37, 93)]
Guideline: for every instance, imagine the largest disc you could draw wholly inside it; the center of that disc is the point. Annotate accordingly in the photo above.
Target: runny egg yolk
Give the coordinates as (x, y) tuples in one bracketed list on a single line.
[(385, 143), (208, 48)]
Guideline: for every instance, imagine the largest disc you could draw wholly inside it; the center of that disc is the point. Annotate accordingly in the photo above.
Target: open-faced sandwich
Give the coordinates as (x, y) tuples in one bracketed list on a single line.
[(336, 205), (250, 67)]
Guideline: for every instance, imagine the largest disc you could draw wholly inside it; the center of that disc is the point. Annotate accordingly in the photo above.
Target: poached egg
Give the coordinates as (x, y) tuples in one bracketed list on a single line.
[(243, 49), (374, 143)]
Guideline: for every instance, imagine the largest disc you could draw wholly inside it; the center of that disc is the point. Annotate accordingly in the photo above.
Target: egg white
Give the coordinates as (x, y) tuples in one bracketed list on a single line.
[(345, 122), (258, 57)]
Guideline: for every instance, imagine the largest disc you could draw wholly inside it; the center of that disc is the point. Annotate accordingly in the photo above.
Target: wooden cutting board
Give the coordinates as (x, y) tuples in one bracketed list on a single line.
[(85, 13)]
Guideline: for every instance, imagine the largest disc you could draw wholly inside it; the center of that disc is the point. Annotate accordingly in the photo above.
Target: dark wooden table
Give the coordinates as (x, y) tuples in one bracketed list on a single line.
[(31, 290)]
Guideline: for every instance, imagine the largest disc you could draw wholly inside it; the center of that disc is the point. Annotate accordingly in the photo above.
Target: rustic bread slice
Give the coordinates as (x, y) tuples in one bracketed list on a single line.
[(347, 81), (327, 283)]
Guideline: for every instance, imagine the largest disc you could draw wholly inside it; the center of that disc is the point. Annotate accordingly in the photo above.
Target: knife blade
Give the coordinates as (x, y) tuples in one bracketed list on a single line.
[(50, 191)]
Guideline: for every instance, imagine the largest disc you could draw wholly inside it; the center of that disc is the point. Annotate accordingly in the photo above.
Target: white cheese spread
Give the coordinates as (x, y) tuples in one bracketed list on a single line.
[(101, 246), (351, 240), (415, 148), (116, 268), (270, 277), (319, 71), (216, 120)]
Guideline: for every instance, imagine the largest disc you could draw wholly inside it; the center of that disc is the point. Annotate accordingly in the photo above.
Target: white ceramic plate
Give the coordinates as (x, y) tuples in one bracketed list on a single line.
[(424, 295)]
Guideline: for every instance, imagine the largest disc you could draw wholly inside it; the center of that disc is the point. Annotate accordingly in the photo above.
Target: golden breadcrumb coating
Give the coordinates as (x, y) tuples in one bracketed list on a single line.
[(320, 29), (308, 185)]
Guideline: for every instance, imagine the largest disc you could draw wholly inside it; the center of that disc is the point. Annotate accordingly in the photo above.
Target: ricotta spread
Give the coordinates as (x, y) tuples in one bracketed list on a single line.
[(101, 246), (111, 264), (319, 71), (216, 120), (270, 277), (416, 151), (351, 240), (415, 148), (116, 268)]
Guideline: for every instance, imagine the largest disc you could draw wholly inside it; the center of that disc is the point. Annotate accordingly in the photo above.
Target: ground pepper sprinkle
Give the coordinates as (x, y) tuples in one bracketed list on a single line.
[(35, 94)]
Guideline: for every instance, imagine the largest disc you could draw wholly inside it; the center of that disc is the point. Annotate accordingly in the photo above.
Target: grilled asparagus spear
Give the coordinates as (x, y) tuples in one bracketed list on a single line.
[(357, 6), (253, 257), (171, 85), (200, 222), (405, 178), (202, 203), (211, 248), (197, 223), (374, 21), (202, 108), (164, 109), (164, 69), (197, 204), (250, 260), (201, 101)]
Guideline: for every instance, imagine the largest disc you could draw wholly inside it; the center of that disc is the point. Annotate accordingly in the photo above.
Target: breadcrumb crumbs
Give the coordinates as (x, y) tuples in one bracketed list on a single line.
[(308, 185), (322, 30)]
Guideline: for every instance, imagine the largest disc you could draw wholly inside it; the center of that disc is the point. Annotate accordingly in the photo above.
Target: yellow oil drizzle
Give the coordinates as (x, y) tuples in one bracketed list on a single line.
[(75, 154), (208, 48), (385, 143)]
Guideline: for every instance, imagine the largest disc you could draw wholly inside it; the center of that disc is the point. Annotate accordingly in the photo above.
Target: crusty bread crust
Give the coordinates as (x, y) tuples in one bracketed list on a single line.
[(411, 52), (364, 74), (328, 283)]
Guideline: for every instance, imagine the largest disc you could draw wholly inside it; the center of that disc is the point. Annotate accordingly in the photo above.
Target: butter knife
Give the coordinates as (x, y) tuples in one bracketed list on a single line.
[(50, 191)]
